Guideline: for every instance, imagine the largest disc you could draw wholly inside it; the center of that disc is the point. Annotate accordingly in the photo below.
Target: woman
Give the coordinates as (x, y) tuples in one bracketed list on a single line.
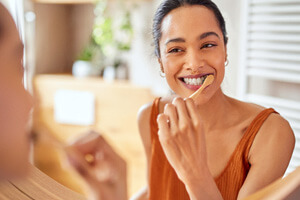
[(214, 147), (15, 105), (15, 102)]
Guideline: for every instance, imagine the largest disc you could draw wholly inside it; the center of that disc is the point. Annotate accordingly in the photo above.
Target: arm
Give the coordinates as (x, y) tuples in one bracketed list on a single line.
[(269, 155), (144, 129), (286, 188)]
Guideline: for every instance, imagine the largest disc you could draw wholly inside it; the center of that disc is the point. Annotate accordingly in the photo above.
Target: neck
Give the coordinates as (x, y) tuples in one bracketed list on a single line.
[(214, 113)]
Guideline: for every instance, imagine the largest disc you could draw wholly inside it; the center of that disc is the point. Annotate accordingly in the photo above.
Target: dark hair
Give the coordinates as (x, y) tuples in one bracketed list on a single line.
[(168, 5)]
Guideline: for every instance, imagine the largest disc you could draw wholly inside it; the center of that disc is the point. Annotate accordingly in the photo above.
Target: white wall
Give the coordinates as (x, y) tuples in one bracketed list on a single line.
[(231, 12), (144, 68)]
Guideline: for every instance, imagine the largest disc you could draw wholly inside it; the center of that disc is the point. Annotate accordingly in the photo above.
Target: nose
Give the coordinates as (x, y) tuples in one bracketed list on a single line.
[(194, 61)]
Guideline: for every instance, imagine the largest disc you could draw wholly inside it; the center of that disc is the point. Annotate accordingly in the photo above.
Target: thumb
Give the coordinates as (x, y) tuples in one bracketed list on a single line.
[(78, 162)]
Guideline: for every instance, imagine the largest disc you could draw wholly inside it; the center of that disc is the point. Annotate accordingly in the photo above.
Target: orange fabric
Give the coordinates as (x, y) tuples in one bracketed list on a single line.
[(164, 183)]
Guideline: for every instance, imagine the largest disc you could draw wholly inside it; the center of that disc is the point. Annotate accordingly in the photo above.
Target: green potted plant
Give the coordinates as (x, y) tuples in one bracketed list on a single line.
[(110, 39), (87, 63)]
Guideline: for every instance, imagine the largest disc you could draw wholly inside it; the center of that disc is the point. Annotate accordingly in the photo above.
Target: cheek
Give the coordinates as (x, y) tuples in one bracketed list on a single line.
[(220, 66), (171, 66), (220, 71), (218, 62), (171, 69)]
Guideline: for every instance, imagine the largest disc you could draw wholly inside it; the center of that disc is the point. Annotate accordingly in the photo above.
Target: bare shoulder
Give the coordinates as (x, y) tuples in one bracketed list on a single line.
[(144, 116), (281, 130), (145, 111), (276, 122), (277, 128), (249, 109), (275, 138)]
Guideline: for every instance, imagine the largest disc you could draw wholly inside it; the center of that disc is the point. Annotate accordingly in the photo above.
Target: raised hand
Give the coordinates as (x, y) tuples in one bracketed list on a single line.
[(182, 138), (100, 166)]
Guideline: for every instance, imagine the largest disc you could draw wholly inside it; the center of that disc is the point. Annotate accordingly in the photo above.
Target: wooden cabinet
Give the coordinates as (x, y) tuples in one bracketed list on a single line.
[(62, 29)]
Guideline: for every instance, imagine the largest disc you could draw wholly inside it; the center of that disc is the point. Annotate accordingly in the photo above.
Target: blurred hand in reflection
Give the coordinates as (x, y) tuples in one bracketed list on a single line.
[(100, 166)]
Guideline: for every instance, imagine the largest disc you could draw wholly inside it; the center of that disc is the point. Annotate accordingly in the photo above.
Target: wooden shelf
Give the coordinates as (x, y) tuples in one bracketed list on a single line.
[(65, 1)]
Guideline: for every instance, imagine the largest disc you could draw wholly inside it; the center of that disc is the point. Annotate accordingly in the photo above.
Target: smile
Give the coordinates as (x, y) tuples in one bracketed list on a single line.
[(194, 80)]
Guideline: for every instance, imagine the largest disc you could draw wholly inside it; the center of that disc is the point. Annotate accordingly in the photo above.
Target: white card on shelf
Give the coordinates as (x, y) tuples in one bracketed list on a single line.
[(74, 107)]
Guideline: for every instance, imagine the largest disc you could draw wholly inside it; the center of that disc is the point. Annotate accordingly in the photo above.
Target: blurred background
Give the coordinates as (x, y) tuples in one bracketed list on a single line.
[(91, 65)]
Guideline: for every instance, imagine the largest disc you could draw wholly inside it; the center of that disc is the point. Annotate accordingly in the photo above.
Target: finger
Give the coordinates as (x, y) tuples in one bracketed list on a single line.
[(163, 126), (192, 110), (87, 143), (182, 111), (110, 168), (171, 111), (107, 151), (90, 144), (103, 170), (78, 162)]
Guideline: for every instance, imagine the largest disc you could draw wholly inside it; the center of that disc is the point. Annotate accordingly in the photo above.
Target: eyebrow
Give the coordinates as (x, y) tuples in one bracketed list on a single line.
[(201, 37), (206, 34)]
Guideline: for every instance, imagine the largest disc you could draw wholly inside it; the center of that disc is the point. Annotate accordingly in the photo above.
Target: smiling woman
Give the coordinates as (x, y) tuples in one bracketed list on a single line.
[(211, 146)]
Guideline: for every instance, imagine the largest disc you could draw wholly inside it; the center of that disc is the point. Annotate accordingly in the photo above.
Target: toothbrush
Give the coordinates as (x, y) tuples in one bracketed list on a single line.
[(209, 79)]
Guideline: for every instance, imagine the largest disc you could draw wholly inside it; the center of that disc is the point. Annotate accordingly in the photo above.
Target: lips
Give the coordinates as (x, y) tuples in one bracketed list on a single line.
[(193, 82)]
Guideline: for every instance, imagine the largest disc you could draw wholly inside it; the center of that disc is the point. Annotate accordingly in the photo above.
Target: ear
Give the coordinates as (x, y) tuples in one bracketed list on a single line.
[(161, 65)]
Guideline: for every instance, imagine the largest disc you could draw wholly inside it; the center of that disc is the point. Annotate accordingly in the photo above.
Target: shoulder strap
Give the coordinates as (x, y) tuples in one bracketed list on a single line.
[(253, 129), (153, 117)]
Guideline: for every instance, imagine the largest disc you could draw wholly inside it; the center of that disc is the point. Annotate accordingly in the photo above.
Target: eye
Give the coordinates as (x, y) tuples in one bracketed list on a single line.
[(175, 50), (208, 45)]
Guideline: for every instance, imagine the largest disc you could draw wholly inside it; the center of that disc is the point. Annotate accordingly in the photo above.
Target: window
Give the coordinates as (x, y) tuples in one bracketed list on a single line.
[(270, 61)]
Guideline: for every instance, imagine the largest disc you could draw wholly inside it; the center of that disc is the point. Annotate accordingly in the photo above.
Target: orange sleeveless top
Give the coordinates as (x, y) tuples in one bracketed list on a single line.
[(164, 183)]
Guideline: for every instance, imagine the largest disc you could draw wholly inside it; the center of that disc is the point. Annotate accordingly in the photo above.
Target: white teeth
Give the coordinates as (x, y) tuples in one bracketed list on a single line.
[(194, 81), (199, 81)]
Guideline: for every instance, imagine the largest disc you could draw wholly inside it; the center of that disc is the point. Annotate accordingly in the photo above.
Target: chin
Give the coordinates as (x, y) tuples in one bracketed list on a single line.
[(202, 100)]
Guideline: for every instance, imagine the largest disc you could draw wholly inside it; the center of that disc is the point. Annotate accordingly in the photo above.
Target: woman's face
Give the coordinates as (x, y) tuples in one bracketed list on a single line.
[(15, 102), (192, 47)]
